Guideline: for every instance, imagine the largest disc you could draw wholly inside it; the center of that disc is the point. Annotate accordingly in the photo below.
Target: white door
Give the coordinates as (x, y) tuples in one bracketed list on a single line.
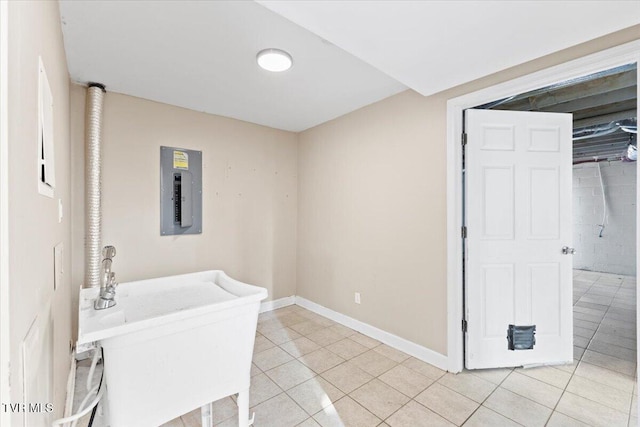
[(518, 179)]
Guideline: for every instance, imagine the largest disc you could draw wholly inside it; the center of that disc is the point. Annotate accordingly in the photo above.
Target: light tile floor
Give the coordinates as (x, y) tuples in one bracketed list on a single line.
[(310, 371)]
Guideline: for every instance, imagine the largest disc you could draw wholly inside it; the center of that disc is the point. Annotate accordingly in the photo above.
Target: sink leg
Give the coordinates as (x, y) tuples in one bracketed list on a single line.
[(243, 409), (206, 412)]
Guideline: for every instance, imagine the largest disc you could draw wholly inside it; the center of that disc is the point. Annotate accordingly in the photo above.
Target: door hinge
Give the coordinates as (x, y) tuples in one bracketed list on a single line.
[(464, 139), (464, 231), (464, 325)]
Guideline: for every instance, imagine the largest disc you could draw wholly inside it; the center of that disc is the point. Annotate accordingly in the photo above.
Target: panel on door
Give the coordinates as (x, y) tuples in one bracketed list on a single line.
[(518, 184)]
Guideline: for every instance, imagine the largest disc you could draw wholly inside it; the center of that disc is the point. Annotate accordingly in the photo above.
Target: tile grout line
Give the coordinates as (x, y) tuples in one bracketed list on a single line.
[(375, 377), (598, 329), (636, 371), (581, 360), (603, 316), (574, 370), (486, 398), (414, 398), (345, 361), (345, 394), (293, 358), (310, 416), (564, 390), (585, 350)]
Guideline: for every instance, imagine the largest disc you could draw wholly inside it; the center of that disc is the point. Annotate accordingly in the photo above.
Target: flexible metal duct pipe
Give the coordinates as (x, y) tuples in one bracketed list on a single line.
[(93, 185)]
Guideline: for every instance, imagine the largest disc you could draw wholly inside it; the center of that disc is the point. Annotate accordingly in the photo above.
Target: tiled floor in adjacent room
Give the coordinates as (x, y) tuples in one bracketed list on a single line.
[(310, 371)]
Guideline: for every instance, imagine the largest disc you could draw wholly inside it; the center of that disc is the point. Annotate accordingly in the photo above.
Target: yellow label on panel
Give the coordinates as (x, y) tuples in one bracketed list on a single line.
[(180, 160)]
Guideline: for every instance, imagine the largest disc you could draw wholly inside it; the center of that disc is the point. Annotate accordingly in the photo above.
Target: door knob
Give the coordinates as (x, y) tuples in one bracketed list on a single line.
[(566, 250)]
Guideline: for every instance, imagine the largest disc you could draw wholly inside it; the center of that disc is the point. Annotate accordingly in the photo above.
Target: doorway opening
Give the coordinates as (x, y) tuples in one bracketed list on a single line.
[(604, 158), (604, 112), (605, 299)]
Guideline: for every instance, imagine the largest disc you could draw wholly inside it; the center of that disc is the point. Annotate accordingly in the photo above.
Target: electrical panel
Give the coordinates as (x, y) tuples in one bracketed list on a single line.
[(180, 191)]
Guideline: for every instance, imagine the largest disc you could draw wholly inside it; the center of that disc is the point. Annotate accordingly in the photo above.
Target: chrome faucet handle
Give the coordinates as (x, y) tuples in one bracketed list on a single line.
[(109, 251)]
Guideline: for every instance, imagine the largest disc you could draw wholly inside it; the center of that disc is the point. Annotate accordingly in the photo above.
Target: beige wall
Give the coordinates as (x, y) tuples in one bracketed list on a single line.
[(372, 207), (371, 217), (249, 194), (34, 29)]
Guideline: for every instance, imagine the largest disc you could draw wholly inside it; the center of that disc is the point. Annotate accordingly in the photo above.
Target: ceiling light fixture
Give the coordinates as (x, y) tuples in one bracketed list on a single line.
[(275, 60)]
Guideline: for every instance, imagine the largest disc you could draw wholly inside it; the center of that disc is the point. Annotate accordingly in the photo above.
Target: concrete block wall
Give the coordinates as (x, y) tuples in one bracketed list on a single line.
[(615, 251)]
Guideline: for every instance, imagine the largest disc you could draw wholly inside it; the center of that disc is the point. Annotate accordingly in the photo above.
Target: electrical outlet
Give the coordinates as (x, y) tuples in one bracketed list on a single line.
[(357, 298)]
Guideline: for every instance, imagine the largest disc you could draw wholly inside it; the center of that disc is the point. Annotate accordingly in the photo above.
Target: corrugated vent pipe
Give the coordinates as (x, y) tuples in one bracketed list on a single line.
[(93, 184)]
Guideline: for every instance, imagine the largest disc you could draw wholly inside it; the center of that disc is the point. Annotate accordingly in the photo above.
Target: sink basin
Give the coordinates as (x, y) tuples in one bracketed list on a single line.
[(173, 344)]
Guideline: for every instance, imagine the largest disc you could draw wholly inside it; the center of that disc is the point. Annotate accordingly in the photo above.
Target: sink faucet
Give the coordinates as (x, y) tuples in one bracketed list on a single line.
[(108, 283)]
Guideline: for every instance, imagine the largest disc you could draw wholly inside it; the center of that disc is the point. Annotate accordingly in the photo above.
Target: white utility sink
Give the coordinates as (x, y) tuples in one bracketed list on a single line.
[(173, 344)]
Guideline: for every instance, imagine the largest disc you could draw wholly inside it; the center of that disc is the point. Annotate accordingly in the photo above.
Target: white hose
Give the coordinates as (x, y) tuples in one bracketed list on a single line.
[(74, 418), (94, 362), (82, 411), (84, 402), (604, 201)]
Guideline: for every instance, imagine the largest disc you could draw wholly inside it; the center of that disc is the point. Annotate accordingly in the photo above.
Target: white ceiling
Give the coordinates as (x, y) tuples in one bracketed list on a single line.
[(201, 55), (431, 46)]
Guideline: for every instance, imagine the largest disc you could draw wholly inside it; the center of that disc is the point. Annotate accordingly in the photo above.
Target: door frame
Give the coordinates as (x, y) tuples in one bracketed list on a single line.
[(5, 340), (620, 55)]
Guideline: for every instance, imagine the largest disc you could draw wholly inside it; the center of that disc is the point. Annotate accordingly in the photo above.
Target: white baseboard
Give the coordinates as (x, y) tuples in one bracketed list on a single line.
[(278, 303), (411, 348)]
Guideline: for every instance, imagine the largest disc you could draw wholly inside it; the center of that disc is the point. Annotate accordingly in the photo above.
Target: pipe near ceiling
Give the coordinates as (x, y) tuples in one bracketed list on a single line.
[(93, 185)]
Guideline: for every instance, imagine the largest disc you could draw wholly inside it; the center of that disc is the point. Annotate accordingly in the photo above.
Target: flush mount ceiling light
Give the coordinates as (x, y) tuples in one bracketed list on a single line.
[(275, 60)]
